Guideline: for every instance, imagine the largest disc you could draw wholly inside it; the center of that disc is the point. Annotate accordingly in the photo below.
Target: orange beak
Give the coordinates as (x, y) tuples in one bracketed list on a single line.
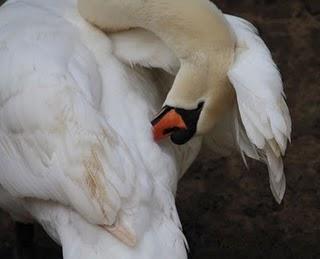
[(167, 124)]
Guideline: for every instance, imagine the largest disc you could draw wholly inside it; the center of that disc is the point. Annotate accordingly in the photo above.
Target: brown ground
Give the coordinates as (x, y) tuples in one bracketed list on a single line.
[(229, 212)]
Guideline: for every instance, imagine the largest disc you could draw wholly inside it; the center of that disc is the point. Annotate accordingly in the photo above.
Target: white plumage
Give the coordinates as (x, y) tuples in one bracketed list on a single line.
[(76, 149), (263, 111)]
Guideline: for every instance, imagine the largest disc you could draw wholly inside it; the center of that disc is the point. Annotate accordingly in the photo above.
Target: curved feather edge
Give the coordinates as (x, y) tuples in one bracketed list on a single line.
[(262, 120)]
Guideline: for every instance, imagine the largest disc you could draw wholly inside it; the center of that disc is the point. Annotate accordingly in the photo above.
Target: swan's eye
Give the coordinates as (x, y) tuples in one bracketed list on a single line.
[(179, 124)]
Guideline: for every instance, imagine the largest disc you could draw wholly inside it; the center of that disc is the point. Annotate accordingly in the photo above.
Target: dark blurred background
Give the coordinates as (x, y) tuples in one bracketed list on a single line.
[(228, 211)]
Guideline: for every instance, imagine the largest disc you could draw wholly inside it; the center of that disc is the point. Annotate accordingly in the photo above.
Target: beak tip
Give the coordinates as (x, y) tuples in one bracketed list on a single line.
[(157, 136), (164, 125)]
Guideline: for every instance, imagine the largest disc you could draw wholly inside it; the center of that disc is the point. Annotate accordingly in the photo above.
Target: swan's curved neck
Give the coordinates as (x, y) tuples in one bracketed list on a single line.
[(195, 30), (191, 28)]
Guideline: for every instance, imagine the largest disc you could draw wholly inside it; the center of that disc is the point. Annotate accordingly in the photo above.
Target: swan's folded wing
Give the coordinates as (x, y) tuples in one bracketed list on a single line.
[(264, 123), (138, 46), (54, 143)]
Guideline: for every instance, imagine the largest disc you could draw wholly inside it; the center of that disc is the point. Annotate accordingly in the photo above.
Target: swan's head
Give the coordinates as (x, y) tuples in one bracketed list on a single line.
[(201, 93), (200, 96), (202, 40)]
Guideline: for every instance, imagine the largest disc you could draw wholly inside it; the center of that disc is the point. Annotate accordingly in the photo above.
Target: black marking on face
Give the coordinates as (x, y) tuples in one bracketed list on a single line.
[(190, 117)]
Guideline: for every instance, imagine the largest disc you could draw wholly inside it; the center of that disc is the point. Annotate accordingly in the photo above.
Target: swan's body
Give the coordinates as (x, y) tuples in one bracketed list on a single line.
[(76, 148)]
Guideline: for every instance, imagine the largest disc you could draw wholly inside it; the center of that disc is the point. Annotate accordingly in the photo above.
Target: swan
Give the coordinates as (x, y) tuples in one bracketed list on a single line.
[(227, 80), (80, 83)]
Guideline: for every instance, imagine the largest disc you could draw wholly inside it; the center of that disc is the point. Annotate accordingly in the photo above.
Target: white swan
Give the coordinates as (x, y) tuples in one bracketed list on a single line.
[(76, 147), (218, 54)]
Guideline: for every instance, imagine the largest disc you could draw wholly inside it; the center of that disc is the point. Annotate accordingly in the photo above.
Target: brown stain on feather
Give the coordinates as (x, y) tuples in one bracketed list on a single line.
[(94, 179)]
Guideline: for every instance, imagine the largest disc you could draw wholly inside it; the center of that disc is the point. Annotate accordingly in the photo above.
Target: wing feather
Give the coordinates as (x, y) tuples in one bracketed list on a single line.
[(54, 142), (262, 111)]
